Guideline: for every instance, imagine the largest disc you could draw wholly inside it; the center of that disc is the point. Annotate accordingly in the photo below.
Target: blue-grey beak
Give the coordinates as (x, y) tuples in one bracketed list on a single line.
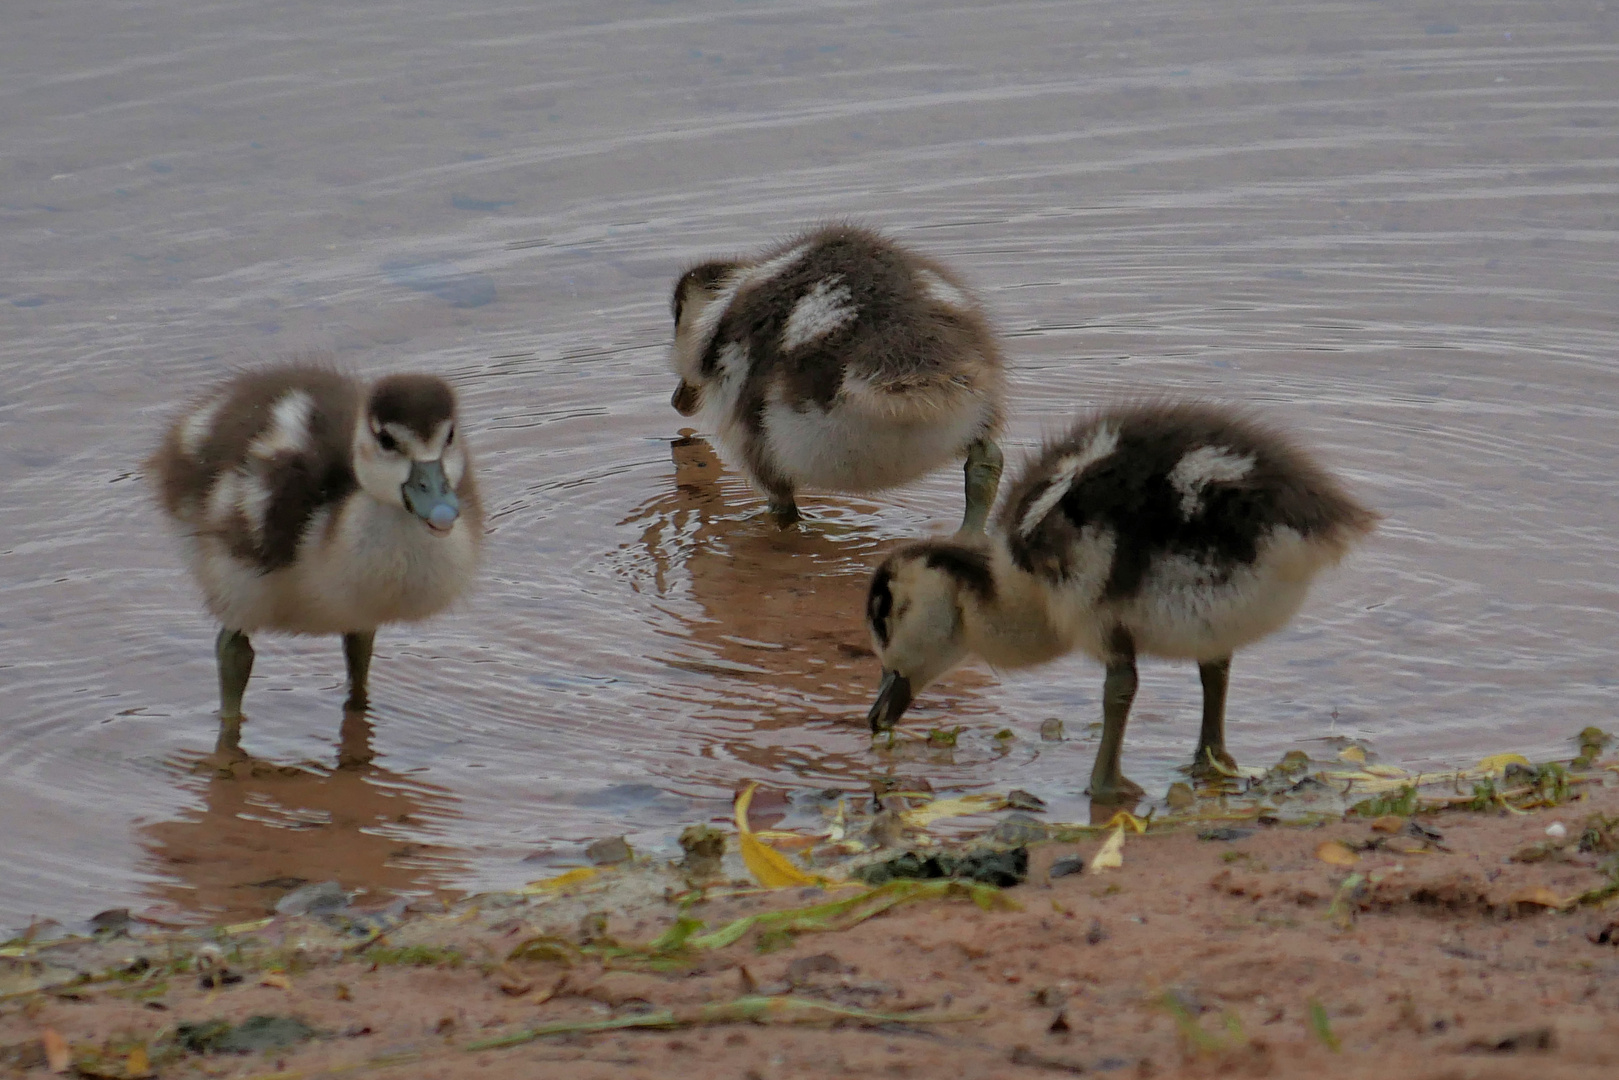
[(427, 494), (893, 698)]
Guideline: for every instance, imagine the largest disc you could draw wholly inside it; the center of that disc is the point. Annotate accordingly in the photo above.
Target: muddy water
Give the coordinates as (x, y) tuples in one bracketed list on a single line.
[(1392, 225)]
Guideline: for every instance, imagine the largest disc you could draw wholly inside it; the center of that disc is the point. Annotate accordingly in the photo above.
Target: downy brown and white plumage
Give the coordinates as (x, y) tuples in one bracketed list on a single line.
[(839, 360), (309, 502), (1185, 531)]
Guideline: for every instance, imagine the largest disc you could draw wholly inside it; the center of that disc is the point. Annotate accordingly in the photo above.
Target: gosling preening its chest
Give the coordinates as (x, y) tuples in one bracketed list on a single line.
[(311, 503), (1180, 531), (839, 360)]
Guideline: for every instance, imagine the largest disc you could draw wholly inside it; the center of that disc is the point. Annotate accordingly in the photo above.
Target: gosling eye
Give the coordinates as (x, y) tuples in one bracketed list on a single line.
[(387, 442), (449, 440)]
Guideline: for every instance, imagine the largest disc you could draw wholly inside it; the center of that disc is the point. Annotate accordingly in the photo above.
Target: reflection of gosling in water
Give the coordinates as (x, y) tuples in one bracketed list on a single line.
[(1181, 531), (839, 360), (310, 503)]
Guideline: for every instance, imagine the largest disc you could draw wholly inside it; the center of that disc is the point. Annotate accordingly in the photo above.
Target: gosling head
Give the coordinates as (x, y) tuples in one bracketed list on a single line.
[(406, 450), (914, 610), (695, 293)]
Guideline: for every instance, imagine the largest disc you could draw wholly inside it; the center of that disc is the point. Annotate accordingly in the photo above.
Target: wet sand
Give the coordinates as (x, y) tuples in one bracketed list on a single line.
[(1438, 953)]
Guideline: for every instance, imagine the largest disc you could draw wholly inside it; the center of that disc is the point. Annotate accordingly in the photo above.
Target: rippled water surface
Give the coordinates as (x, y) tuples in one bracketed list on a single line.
[(1393, 226)]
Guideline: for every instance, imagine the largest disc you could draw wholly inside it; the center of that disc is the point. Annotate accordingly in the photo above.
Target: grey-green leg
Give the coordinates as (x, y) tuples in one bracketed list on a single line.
[(357, 655), (983, 471), (235, 655), (784, 509), (1211, 739), (1108, 782)]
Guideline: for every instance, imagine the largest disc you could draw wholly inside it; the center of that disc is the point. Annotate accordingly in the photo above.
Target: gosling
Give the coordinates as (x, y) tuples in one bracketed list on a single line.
[(1183, 531), (839, 360), (308, 502)]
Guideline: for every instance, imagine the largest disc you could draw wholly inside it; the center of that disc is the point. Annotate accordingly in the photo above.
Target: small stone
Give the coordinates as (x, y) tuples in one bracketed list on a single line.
[(1557, 830), (1180, 796), (1051, 730), (1019, 828), (319, 898), (1225, 833), (112, 922), (704, 848), (1067, 866), (609, 852), (1019, 799)]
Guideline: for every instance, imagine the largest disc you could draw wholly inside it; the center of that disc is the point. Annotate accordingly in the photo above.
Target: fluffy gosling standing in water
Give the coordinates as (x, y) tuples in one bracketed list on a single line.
[(839, 360), (311, 503), (1181, 531)]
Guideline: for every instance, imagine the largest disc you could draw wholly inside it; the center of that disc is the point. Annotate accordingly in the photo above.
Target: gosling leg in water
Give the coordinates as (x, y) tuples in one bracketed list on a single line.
[(1108, 782), (357, 656), (1211, 739)]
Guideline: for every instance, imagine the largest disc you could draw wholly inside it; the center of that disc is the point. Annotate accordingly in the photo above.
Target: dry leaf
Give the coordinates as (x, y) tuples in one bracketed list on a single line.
[(1352, 753), (58, 1057), (767, 865), (561, 881), (1389, 823), (1335, 853), (1111, 855), (139, 1065), (1497, 763), (923, 816), (277, 980), (1538, 895)]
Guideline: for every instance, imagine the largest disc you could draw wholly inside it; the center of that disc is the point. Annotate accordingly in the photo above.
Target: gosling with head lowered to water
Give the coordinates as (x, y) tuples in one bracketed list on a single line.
[(308, 502), (840, 360), (1181, 531)]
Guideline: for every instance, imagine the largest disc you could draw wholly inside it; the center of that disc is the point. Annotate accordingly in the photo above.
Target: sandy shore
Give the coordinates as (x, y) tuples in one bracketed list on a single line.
[(1463, 943)]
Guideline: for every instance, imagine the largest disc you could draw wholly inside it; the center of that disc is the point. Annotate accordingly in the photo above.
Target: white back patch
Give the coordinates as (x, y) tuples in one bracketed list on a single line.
[(195, 429), (289, 426), (1064, 472), (1203, 466), (818, 312), (707, 321), (254, 500), (941, 291)]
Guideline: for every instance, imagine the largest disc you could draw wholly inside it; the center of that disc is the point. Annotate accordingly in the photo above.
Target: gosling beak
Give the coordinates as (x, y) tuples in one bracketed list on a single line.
[(687, 400), (427, 494), (893, 698)]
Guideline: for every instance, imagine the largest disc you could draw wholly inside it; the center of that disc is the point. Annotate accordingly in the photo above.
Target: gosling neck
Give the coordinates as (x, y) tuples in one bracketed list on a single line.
[(1014, 628)]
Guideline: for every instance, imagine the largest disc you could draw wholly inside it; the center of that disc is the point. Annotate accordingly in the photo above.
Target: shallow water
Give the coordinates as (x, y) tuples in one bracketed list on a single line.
[(1391, 226)]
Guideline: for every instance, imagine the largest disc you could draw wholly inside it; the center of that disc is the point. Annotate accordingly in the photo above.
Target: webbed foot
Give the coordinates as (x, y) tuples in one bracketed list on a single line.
[(1212, 763), (1116, 790)]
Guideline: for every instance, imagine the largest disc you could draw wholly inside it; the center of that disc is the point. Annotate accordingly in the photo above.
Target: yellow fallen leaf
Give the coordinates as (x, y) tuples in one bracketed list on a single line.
[(1497, 763), (1123, 818), (768, 866), (58, 1056), (921, 817), (561, 881), (1389, 823), (138, 1066), (1352, 753), (1335, 853), (1111, 855), (276, 980), (781, 838), (1540, 896), (1388, 772)]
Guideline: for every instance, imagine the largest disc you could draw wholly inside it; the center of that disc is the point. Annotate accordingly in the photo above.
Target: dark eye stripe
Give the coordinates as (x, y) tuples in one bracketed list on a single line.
[(387, 442)]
